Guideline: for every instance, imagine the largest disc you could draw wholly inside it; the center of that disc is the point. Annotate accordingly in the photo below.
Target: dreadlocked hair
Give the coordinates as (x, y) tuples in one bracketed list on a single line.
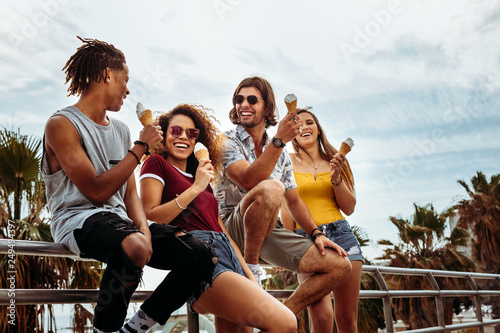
[(326, 151), (210, 135), (89, 63)]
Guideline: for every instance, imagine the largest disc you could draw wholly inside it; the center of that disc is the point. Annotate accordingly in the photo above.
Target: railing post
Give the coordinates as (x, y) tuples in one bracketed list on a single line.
[(193, 320), (439, 300), (386, 301), (477, 302)]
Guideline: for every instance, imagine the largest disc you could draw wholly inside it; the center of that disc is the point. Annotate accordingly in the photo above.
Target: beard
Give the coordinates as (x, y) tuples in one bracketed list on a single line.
[(253, 122)]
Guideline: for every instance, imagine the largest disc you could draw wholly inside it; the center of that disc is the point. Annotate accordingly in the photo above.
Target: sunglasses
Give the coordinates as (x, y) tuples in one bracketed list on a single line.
[(191, 133), (252, 99)]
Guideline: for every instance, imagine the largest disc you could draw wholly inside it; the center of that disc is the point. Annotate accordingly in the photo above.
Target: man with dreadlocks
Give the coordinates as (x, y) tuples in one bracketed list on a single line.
[(88, 167)]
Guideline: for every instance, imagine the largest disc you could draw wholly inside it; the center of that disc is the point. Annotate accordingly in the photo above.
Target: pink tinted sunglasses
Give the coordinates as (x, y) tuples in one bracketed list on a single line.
[(191, 133)]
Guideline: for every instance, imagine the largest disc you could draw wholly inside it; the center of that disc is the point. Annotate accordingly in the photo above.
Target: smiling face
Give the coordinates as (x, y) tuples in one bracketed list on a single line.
[(251, 115), (118, 90), (181, 147), (309, 133)]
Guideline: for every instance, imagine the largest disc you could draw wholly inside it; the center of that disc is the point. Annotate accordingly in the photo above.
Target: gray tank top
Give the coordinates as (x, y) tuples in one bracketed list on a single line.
[(68, 206)]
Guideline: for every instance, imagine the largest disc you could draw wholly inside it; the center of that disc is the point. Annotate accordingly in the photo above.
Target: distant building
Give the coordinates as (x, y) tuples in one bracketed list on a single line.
[(464, 249)]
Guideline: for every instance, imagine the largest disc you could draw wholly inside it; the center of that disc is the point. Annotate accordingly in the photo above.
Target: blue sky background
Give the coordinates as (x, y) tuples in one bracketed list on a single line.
[(414, 83)]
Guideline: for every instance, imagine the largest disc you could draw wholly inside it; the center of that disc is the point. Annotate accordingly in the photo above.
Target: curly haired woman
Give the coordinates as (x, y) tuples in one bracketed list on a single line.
[(175, 190)]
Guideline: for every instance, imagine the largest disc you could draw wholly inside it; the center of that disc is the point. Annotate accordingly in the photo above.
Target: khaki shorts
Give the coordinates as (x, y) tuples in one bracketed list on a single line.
[(282, 248)]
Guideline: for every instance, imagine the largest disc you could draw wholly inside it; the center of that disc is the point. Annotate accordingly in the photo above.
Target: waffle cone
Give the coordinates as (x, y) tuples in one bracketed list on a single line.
[(201, 154), (344, 148), (146, 117), (292, 106)]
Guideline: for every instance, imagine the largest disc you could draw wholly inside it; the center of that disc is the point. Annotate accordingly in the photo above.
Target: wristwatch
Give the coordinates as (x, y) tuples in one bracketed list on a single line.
[(278, 143)]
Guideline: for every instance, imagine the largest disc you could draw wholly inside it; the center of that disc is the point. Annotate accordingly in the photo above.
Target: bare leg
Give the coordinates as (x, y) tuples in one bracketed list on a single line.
[(327, 273), (321, 312), (346, 300), (235, 298), (259, 209), (225, 326)]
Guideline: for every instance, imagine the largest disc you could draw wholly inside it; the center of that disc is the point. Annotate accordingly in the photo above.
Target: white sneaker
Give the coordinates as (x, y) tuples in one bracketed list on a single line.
[(256, 271)]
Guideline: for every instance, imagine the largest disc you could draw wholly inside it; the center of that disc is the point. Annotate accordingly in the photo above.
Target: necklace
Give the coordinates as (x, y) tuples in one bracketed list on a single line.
[(315, 172)]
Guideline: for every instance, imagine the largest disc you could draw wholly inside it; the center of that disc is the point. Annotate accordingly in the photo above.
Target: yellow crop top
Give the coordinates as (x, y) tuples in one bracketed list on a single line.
[(319, 197)]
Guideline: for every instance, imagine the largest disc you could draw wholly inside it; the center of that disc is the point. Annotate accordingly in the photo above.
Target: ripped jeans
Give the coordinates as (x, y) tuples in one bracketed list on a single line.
[(190, 263), (340, 233)]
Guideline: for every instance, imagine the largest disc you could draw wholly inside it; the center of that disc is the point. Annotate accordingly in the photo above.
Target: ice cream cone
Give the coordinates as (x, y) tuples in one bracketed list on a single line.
[(291, 102), (200, 151), (144, 115), (201, 154), (346, 146)]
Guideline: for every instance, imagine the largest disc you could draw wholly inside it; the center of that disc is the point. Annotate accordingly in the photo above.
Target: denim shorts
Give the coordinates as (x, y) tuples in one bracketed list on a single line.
[(340, 233), (227, 260)]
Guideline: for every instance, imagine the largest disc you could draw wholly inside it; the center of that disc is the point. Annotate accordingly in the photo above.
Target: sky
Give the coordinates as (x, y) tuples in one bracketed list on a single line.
[(415, 84)]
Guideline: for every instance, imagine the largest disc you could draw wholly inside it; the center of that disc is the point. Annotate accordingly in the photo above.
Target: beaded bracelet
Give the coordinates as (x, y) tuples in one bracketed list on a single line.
[(136, 157), (138, 142)]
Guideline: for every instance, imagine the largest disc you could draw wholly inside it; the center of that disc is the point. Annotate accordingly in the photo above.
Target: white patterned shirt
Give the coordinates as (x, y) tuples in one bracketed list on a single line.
[(240, 146)]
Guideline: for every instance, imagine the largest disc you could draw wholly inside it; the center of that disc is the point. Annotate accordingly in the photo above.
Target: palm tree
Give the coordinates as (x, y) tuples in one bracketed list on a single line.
[(19, 168), (480, 213), (22, 191), (424, 245)]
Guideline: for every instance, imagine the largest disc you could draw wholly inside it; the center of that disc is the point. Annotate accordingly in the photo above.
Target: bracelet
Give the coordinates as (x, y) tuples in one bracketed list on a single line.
[(138, 142), (178, 204), (136, 157), (313, 231), (337, 183), (317, 235)]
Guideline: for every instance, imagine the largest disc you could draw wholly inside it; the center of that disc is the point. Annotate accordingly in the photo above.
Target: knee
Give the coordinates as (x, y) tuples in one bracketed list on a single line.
[(321, 318), (343, 268), (271, 191), (287, 322), (346, 320), (136, 248)]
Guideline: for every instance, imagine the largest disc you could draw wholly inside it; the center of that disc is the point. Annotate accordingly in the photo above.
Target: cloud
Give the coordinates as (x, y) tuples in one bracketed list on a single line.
[(419, 98)]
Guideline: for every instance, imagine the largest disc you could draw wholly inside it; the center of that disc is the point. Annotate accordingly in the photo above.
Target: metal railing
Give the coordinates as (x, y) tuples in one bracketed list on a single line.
[(71, 296)]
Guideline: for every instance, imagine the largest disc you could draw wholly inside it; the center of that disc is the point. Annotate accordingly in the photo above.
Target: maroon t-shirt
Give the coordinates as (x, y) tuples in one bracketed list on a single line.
[(201, 214)]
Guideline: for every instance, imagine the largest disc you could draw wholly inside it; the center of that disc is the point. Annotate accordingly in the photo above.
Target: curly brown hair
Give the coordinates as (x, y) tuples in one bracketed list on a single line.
[(210, 136), (267, 94), (89, 63), (326, 150)]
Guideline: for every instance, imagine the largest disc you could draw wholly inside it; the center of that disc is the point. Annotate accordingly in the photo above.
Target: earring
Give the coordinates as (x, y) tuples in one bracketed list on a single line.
[(109, 79)]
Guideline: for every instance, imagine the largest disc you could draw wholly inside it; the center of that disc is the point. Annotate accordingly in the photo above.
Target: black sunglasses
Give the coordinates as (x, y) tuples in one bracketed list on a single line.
[(252, 99)]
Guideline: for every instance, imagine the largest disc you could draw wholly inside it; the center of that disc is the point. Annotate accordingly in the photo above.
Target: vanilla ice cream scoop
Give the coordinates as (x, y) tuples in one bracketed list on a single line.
[(200, 151), (346, 146), (291, 102)]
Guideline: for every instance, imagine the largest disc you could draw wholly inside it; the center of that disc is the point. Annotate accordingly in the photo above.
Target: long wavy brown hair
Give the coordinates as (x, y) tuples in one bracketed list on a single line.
[(267, 94), (326, 150), (210, 135)]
